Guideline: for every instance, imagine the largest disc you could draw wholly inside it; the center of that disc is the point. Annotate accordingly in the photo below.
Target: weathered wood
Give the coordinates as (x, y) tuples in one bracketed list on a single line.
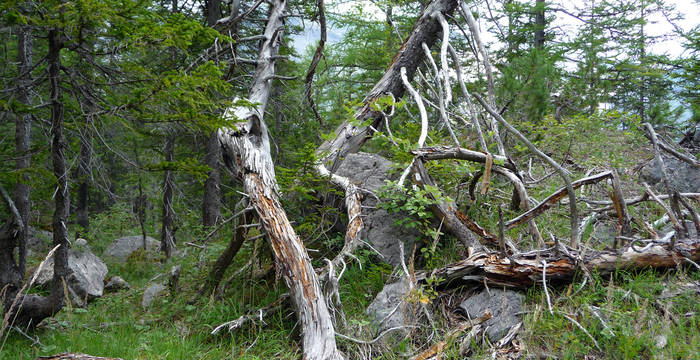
[(525, 270), (554, 198), (247, 152), (673, 193), (562, 172)]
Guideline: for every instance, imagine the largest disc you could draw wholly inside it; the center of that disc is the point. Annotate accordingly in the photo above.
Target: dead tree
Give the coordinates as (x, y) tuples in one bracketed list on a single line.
[(247, 151)]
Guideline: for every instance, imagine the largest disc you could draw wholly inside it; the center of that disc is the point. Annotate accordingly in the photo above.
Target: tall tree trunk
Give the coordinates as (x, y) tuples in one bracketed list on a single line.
[(20, 309), (247, 149), (211, 203), (13, 237), (22, 143), (58, 158), (167, 239), (213, 11)]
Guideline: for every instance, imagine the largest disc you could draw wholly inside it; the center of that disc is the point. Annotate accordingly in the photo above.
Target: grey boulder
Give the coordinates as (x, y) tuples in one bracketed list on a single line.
[(123, 247), (389, 308), (682, 176), (369, 171), (505, 306), (150, 294), (116, 283), (86, 271)]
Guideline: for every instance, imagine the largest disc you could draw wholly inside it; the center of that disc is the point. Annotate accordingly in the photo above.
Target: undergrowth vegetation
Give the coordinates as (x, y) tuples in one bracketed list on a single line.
[(640, 314)]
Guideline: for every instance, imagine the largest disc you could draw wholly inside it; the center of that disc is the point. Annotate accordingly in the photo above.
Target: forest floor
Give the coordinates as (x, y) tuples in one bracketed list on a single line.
[(631, 314)]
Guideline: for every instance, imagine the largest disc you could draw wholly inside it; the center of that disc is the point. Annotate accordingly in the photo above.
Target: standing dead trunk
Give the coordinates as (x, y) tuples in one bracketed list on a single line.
[(247, 149), (167, 235), (211, 203)]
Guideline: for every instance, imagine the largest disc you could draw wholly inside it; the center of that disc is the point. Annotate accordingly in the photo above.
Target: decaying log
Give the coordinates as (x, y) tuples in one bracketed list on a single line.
[(247, 152), (524, 270), (554, 198)]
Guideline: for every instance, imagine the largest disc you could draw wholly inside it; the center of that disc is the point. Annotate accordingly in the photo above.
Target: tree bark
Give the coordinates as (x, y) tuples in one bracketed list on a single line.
[(167, 234), (29, 309), (82, 215), (211, 203), (247, 151), (226, 258), (58, 158)]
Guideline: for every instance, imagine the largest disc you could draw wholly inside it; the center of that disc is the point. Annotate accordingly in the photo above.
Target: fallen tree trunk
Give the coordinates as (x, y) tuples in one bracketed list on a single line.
[(524, 270), (247, 152)]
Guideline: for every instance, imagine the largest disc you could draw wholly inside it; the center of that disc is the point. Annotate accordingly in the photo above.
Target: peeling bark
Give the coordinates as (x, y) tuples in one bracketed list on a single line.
[(247, 149)]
